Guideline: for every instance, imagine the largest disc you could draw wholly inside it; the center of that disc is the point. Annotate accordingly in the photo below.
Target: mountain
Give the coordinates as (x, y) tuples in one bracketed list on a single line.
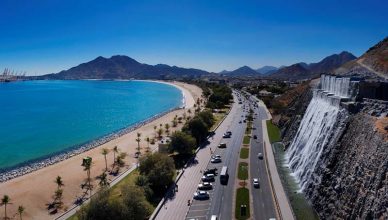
[(267, 69), (124, 67), (294, 72), (328, 64), (242, 71), (303, 70), (373, 63)]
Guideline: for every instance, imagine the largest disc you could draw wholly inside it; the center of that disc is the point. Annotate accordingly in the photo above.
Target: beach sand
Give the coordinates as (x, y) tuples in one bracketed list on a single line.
[(35, 190)]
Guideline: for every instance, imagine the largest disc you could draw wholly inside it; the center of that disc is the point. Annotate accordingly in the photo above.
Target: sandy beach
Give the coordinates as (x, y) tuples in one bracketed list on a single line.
[(34, 190)]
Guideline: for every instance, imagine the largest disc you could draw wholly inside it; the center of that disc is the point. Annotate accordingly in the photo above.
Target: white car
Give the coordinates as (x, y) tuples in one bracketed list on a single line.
[(256, 182), (260, 155), (216, 156), (208, 177), (215, 160), (201, 195), (205, 186)]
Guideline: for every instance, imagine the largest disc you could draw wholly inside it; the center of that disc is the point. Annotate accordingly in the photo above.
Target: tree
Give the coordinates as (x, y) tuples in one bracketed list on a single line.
[(197, 128), (138, 142), (21, 211), (105, 152), (148, 140), (155, 127), (159, 170), (103, 180), (143, 182), (120, 159), (134, 199), (160, 133), (182, 143), (207, 117), (87, 164), (167, 128), (58, 196), (5, 201), (59, 182), (115, 150)]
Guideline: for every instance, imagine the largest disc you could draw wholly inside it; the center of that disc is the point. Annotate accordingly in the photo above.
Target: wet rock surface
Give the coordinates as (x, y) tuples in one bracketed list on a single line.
[(352, 177)]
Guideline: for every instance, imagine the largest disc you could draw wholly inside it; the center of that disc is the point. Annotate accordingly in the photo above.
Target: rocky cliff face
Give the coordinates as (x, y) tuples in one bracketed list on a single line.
[(350, 180), (353, 176)]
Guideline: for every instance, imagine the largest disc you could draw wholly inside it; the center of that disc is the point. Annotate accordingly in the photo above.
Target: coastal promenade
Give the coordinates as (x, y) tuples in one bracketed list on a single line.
[(35, 190)]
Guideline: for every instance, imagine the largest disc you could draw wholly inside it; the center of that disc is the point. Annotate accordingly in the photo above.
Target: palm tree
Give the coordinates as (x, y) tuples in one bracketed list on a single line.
[(160, 125), (105, 152), (20, 211), (147, 139), (87, 164), (59, 182), (5, 201), (155, 127), (160, 132), (138, 142), (103, 180), (115, 150), (167, 127)]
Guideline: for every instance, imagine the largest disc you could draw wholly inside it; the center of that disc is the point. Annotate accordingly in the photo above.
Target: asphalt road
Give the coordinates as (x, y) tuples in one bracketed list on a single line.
[(220, 202), (263, 204)]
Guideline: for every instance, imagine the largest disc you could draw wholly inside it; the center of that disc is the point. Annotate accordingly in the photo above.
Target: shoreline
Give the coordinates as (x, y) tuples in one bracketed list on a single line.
[(26, 167), (34, 190), (12, 172)]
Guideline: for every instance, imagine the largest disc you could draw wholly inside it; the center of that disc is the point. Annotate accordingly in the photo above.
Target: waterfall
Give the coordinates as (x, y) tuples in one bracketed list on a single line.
[(317, 128)]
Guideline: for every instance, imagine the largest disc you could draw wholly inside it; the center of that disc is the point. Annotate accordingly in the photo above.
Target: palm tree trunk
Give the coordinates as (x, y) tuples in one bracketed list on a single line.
[(5, 211), (106, 164)]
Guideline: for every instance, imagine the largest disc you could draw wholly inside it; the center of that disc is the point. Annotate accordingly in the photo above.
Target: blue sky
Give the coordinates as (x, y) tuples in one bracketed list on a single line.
[(47, 36)]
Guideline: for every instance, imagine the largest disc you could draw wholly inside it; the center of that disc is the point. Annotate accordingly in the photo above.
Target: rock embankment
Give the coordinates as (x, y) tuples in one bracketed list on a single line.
[(354, 179)]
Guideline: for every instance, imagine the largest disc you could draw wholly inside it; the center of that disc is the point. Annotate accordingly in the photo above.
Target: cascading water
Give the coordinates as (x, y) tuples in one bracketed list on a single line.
[(318, 127)]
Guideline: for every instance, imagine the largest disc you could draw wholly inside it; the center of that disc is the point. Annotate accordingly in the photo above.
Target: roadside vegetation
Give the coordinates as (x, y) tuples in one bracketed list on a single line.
[(242, 199), (243, 171), (244, 153), (246, 140), (273, 132)]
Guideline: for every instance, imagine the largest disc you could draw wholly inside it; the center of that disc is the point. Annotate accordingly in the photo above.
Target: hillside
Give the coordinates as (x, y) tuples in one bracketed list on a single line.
[(373, 63), (123, 67), (302, 70), (242, 71), (293, 72)]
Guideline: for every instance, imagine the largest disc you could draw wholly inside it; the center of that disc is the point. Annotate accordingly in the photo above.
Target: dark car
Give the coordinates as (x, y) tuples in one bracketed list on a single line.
[(210, 171), (254, 136)]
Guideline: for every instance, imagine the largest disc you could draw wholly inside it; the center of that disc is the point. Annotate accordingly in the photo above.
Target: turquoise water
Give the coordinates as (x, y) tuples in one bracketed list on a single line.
[(39, 118)]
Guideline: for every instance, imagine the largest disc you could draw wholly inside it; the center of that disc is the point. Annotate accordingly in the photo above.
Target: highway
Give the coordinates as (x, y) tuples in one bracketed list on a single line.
[(221, 201), (176, 205), (221, 197), (263, 204)]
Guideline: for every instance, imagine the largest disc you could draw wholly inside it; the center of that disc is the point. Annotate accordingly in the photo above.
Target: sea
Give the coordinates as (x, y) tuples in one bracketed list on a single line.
[(41, 118)]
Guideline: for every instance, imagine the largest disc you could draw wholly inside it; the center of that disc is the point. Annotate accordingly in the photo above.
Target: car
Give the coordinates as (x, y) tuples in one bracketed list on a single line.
[(208, 177), (239, 122), (216, 156), (226, 135), (205, 186), (254, 136), (201, 195), (214, 217), (210, 171), (222, 145), (260, 155), (256, 182), (229, 133), (216, 160)]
